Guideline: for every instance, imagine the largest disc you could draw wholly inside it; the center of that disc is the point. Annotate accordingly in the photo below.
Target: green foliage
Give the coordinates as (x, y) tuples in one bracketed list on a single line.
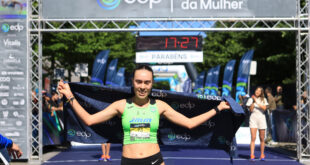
[(71, 48), (274, 53)]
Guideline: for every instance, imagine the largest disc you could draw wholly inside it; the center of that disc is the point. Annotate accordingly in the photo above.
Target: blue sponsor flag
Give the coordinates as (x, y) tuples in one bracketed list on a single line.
[(111, 72), (208, 81), (198, 89), (215, 80), (187, 86), (99, 67), (227, 79), (243, 74), (119, 78)]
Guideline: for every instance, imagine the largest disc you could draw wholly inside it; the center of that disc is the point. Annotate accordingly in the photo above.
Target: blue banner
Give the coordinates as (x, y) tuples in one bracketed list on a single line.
[(187, 86), (99, 67), (198, 89), (111, 72), (119, 78), (243, 74), (208, 81), (227, 79), (215, 81), (217, 132)]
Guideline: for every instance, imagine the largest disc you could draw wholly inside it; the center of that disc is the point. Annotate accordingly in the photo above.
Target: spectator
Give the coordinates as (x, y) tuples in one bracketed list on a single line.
[(105, 152), (279, 98), (257, 105), (270, 108), (12, 148), (56, 103)]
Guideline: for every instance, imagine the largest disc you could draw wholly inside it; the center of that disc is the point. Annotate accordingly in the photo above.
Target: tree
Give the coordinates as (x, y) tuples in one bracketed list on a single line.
[(64, 50), (274, 53)]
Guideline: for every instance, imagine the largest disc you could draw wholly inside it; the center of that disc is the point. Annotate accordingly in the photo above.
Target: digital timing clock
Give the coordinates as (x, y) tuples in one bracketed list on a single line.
[(169, 43)]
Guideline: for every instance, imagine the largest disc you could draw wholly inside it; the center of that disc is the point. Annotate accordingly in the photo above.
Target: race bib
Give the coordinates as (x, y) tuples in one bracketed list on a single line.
[(140, 130)]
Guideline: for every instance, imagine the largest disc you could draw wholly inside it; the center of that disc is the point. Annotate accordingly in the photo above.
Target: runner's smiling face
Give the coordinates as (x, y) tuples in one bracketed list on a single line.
[(142, 83)]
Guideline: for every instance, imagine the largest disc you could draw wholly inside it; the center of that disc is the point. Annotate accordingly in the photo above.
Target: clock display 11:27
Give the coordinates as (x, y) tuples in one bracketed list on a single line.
[(145, 43)]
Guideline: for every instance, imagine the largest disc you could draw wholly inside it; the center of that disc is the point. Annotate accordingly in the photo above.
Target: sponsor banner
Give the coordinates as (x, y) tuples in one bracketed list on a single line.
[(99, 67), (169, 56), (119, 78), (167, 8), (198, 89), (13, 75), (216, 132), (227, 79), (243, 74), (111, 71), (214, 81), (208, 81)]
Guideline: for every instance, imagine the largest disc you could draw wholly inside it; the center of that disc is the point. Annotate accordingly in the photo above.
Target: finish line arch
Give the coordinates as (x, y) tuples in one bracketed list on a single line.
[(300, 24)]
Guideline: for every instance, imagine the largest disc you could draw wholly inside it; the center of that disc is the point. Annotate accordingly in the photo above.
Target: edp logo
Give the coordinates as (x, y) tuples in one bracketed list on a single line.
[(112, 4), (151, 2)]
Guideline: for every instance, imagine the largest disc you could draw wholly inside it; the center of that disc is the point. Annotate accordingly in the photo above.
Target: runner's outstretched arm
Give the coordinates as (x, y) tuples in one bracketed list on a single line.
[(88, 119), (186, 122)]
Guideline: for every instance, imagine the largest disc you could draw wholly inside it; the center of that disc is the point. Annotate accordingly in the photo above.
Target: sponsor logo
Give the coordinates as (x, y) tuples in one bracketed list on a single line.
[(5, 114), (19, 123), (209, 97), (17, 27), (71, 132), (4, 102), (5, 79), (112, 4), (4, 94), (120, 74), (18, 87), (19, 102), (12, 59), (108, 4), (230, 68), (5, 28), (18, 78), (10, 134), (18, 94), (101, 61), (209, 124), (9, 43), (184, 137), (188, 105), (140, 120), (246, 61), (84, 134), (4, 87), (159, 94), (16, 114), (111, 68), (12, 73)]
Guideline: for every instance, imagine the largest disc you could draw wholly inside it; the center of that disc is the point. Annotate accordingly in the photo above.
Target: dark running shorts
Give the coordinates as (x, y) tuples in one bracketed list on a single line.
[(155, 159)]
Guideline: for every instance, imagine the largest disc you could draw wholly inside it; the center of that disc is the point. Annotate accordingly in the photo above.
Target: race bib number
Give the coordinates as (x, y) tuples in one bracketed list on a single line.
[(140, 130)]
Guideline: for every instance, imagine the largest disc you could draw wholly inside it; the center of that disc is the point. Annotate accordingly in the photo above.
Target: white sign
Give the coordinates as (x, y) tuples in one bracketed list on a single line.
[(253, 68), (169, 56)]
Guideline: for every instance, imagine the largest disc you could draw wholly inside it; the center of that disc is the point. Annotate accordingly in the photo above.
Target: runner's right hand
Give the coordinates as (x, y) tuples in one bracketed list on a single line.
[(64, 89)]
